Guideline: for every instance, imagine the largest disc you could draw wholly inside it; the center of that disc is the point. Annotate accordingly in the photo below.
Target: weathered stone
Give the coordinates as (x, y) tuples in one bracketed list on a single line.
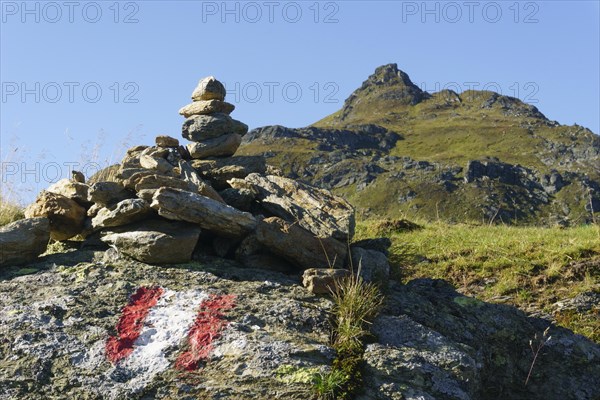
[(22, 241), (74, 190), (108, 193), (166, 141), (55, 325), (77, 176), (132, 158), (204, 107), (299, 246), (323, 280), (65, 215), (155, 163), (191, 176), (136, 149), (242, 184), (209, 214), (108, 174), (137, 176), (125, 173), (203, 127), (222, 146), (125, 212), (155, 181), (156, 152), (209, 88), (155, 242), (221, 170), (371, 265), (317, 210)]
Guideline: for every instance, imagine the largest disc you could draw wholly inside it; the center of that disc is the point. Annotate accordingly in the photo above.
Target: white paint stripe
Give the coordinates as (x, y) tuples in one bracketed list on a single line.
[(165, 327)]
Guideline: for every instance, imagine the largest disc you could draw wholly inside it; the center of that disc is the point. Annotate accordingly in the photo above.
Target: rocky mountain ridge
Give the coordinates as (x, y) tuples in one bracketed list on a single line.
[(395, 150)]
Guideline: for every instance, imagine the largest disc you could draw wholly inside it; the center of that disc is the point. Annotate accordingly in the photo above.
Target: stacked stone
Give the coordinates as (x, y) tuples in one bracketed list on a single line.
[(158, 206), (208, 125)]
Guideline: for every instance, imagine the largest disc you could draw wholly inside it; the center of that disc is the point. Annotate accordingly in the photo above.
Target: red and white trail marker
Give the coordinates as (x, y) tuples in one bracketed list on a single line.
[(158, 322)]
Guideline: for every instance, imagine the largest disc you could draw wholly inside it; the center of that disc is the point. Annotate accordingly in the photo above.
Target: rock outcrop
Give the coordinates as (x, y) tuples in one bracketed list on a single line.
[(434, 343), (62, 326)]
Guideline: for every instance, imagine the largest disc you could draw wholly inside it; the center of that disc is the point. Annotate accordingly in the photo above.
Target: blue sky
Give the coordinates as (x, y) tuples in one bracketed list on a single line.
[(82, 80)]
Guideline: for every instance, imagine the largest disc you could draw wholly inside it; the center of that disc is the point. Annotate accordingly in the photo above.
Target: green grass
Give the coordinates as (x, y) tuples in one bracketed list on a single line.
[(529, 267), (9, 212), (327, 385), (356, 303)]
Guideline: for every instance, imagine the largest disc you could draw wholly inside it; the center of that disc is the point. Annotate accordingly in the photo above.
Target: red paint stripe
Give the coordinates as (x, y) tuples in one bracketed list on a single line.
[(206, 328), (131, 322)]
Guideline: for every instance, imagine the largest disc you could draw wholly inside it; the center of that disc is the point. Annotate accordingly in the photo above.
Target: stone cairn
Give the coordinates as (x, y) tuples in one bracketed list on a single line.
[(168, 204)]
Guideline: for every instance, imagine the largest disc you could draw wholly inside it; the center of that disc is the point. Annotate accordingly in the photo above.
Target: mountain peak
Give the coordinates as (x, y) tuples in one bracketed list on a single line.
[(388, 75), (388, 84)]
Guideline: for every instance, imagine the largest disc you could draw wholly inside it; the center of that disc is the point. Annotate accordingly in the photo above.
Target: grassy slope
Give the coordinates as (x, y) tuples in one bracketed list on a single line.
[(531, 268), (456, 132), (452, 133)]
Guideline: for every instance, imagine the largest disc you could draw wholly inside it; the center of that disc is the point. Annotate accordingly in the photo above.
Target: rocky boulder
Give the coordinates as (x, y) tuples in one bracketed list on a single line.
[(107, 193), (202, 127), (166, 141), (323, 280), (65, 215), (316, 210), (222, 146), (74, 190), (299, 246), (209, 88), (155, 242), (22, 241), (205, 107), (125, 212), (371, 265), (263, 336), (209, 214)]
